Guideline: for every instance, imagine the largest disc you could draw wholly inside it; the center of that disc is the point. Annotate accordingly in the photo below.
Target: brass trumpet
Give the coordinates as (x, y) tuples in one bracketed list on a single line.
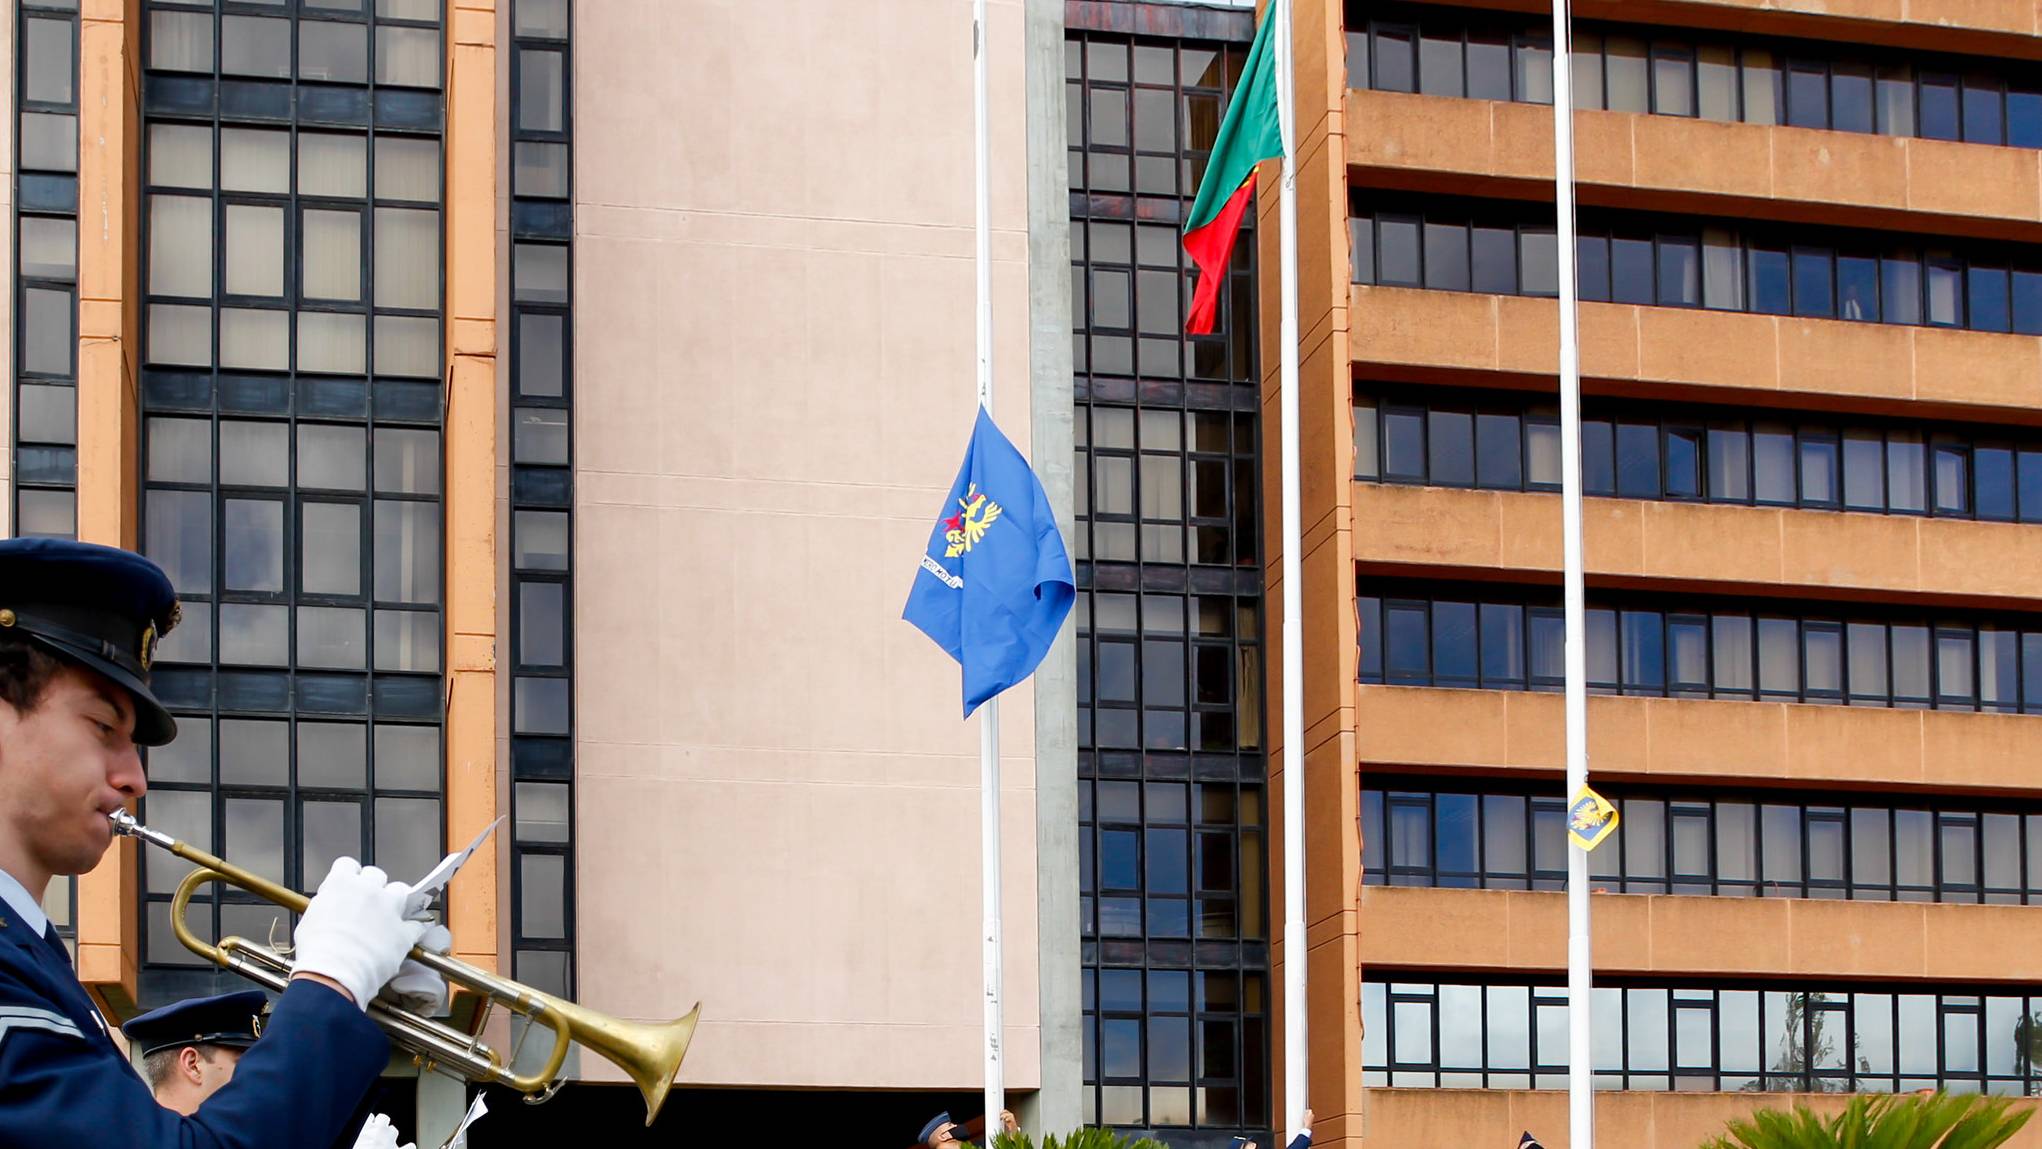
[(649, 1053)]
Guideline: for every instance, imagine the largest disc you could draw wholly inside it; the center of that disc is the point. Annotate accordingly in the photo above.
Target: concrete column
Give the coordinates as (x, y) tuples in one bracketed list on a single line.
[(1056, 1108)]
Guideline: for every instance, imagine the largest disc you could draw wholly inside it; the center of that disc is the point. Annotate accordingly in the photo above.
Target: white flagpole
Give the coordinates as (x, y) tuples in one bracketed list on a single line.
[(1294, 949), (1580, 971), (989, 723)]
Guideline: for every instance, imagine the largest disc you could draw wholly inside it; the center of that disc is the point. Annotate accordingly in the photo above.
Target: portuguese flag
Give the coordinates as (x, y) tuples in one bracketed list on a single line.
[(1250, 133)]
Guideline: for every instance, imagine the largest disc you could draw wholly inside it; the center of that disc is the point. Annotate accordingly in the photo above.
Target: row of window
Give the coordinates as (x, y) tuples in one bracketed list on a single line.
[(1703, 650), (333, 42), (44, 285), (1511, 442), (1158, 860), (1183, 496), (1672, 261), (1495, 838), (1171, 687), (1789, 1039), (1185, 1031), (290, 248), (1173, 961), (43, 440), (542, 916), (1732, 79)]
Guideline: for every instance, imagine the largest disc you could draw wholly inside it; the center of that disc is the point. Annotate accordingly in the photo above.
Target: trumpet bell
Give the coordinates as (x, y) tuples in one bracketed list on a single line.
[(654, 1056)]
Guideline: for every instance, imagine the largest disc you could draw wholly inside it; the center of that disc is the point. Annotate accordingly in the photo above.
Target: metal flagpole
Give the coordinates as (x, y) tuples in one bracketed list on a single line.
[(989, 722), (1580, 975), (1294, 950)]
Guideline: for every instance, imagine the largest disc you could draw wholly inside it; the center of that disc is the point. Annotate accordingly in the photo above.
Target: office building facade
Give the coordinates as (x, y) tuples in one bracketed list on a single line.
[(539, 406)]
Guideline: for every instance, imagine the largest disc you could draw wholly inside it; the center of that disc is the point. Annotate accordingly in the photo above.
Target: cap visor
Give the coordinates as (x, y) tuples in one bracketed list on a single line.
[(153, 724)]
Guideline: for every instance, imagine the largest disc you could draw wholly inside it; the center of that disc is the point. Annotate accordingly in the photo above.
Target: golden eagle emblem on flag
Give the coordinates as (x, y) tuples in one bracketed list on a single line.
[(963, 530)]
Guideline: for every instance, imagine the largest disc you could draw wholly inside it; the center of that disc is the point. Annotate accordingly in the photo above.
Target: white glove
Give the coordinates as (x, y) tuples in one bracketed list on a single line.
[(378, 1133), (355, 931), (417, 988)]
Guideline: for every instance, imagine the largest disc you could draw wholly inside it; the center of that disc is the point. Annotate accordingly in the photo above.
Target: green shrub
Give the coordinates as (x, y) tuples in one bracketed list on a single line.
[(1881, 1121)]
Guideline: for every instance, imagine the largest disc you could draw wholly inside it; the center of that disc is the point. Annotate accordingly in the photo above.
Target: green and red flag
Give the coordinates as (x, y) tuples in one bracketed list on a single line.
[(1250, 133)]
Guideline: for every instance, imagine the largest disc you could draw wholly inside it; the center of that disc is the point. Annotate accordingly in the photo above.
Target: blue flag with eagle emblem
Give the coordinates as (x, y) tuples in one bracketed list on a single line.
[(995, 582)]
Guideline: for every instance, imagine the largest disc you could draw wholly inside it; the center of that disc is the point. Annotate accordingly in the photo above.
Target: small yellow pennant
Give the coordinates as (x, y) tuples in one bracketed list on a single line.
[(1590, 818)]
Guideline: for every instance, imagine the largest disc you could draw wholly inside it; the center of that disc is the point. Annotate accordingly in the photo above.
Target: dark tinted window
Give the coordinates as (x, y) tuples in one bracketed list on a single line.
[(1446, 256), (1938, 97), (1982, 108), (1631, 270), (1394, 70), (1594, 267), (1987, 294), (1488, 66), (1850, 97), (1807, 94), (1397, 251), (1857, 288), (1812, 288), (1499, 455), (1495, 260), (1450, 441), (1770, 292), (1638, 460), (1993, 472), (1680, 273), (2024, 119)]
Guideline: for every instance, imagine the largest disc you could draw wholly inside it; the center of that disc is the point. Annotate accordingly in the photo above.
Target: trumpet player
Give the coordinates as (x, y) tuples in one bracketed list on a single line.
[(78, 629)]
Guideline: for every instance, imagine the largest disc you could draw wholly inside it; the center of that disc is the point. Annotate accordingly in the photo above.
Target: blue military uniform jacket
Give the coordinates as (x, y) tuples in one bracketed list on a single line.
[(65, 1085)]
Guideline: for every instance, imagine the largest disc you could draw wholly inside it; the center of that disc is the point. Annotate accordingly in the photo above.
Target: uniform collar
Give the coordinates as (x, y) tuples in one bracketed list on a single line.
[(25, 907)]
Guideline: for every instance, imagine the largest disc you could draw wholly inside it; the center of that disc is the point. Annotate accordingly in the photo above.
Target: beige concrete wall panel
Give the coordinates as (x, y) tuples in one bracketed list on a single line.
[(1997, 183), (1850, 550), (1609, 340), (1522, 136), (1691, 738), (1997, 559), (1329, 657), (1428, 525), (1830, 364), (1405, 140), (1710, 934), (1850, 747), (1677, 936), (1412, 725), (1395, 129), (1617, 539), (1602, 148), (1528, 537), (1332, 834), (1696, 545), (1447, 329), (1711, 348), (2019, 17), (1828, 357), (1688, 542), (1325, 436), (1994, 750), (1844, 744), (1527, 336), (1839, 167), (1977, 368), (1699, 155), (774, 357), (1881, 939), (1535, 731)]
